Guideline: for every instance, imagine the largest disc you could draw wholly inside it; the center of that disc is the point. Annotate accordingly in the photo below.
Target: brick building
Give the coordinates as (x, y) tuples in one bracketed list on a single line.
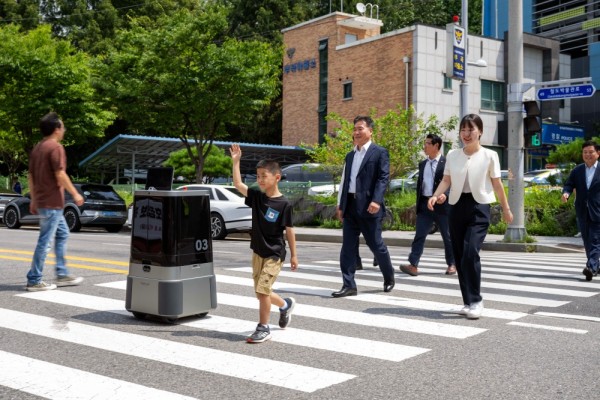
[(341, 63)]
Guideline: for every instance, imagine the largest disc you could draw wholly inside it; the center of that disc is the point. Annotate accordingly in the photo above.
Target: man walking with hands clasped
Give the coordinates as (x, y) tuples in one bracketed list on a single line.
[(431, 172)]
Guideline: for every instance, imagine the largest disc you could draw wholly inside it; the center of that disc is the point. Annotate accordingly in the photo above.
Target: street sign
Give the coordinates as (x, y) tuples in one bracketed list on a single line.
[(565, 92)]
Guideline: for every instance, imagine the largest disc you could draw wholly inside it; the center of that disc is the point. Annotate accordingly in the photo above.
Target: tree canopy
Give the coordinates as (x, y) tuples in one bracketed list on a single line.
[(38, 74), (186, 79)]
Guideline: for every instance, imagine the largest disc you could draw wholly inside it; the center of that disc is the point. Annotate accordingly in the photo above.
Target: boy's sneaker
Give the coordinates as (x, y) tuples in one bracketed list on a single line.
[(261, 334), (38, 287), (68, 280), (285, 316)]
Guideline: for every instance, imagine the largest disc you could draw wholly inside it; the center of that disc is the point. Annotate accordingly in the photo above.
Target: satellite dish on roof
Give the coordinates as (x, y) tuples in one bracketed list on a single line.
[(361, 8)]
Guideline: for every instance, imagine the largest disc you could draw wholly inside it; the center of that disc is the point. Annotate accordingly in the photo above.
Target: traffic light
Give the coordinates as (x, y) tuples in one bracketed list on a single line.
[(532, 124)]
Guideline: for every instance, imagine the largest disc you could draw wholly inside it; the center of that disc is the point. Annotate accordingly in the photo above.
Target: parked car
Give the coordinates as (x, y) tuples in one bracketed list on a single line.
[(308, 172), (228, 213), (409, 182), (4, 199), (102, 207), (323, 190), (542, 177)]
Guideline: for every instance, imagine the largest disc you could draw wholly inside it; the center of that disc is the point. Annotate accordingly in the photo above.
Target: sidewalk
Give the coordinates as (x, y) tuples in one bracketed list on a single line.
[(543, 244)]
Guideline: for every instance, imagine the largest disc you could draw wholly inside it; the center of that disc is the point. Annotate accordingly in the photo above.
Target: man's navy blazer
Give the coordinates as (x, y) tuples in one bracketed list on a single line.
[(439, 175), (371, 181), (586, 200)]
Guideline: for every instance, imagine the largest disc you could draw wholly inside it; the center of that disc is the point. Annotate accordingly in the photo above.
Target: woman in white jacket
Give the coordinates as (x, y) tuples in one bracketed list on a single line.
[(473, 175)]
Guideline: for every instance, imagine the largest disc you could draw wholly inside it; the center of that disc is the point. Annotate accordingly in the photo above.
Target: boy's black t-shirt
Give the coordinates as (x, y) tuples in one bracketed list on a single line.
[(270, 216)]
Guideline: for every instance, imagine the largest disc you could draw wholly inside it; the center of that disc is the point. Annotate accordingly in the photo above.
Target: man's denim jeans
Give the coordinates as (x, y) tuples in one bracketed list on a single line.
[(52, 225)]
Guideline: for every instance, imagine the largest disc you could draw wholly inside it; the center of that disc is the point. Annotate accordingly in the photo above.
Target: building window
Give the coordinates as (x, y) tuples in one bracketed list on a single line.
[(350, 38), (323, 89), (447, 82), (492, 96), (347, 90)]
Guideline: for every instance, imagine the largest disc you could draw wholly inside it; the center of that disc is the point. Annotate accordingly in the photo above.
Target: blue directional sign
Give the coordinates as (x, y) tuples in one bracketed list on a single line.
[(565, 92)]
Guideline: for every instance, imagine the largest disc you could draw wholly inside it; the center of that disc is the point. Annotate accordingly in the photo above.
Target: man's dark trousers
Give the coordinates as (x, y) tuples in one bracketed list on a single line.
[(590, 233), (371, 230), (425, 220)]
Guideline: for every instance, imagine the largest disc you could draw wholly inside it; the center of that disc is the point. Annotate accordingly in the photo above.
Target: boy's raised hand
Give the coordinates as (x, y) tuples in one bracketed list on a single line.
[(235, 151)]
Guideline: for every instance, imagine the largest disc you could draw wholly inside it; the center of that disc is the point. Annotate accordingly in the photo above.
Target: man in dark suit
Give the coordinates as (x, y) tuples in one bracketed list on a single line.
[(361, 208), (431, 172), (585, 181)]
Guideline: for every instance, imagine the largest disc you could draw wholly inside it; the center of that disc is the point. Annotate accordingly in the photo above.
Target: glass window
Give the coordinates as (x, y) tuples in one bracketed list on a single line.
[(447, 82), (492, 95), (347, 90)]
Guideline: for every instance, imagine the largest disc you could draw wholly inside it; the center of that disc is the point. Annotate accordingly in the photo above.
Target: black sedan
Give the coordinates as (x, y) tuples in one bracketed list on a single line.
[(103, 207)]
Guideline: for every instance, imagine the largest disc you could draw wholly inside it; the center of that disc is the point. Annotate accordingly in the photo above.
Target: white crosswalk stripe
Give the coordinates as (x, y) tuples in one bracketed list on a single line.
[(510, 285)]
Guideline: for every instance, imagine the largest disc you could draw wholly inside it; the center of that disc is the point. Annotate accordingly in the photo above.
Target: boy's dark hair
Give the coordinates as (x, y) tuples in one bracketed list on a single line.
[(49, 123), (368, 120), (435, 140), (270, 165)]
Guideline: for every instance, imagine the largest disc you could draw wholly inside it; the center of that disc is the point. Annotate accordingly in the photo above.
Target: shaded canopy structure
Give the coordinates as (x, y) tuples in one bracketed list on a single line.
[(135, 153)]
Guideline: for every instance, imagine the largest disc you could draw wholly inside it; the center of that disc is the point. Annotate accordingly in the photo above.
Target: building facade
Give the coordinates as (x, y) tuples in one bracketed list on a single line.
[(340, 63), (576, 25)]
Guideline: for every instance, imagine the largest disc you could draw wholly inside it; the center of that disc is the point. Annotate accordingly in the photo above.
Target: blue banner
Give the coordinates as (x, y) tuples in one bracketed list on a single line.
[(560, 133)]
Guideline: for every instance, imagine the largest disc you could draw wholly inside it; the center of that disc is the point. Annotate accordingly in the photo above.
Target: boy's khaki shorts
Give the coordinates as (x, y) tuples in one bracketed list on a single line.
[(264, 273)]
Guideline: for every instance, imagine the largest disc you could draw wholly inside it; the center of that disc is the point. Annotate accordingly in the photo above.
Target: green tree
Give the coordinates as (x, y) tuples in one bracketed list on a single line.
[(186, 79), (400, 131), (216, 164), (39, 74)]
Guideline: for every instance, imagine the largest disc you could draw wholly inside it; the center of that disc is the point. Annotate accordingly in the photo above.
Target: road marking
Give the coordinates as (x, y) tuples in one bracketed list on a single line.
[(374, 298), (349, 317), (276, 373), (568, 316), (71, 258), (503, 286), (547, 327), (299, 337), (531, 301), (53, 381)]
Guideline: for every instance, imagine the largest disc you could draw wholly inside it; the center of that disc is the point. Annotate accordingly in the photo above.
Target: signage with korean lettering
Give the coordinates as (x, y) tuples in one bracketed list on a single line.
[(455, 50)]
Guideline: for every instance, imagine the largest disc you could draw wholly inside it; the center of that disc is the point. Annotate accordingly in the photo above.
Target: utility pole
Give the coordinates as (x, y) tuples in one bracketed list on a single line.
[(516, 188), (464, 85)]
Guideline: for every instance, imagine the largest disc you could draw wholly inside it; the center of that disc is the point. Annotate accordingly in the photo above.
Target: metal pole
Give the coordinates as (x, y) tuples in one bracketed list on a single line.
[(464, 85), (516, 188)]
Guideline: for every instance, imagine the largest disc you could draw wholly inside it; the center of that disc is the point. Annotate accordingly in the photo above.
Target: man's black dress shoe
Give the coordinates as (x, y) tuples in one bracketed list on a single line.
[(359, 266), (345, 291), (388, 286), (588, 274)]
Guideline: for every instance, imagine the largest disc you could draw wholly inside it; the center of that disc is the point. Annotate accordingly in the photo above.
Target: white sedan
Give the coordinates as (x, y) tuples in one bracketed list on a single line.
[(228, 213)]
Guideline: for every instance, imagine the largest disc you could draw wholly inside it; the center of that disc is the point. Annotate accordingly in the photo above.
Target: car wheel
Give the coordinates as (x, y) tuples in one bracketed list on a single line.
[(388, 219), (11, 218), (217, 226), (72, 219), (113, 228)]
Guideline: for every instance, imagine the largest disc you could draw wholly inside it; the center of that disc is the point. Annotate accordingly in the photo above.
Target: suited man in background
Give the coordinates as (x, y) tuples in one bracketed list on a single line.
[(361, 208), (431, 172), (585, 180)]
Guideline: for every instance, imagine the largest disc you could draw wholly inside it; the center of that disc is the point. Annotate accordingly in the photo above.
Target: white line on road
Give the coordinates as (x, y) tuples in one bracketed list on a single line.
[(567, 316), (350, 317), (375, 298), (276, 373), (547, 327), (400, 287), (53, 381), (292, 336)]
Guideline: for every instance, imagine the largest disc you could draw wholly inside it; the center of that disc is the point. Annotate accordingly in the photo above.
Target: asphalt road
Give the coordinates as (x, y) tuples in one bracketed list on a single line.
[(538, 338)]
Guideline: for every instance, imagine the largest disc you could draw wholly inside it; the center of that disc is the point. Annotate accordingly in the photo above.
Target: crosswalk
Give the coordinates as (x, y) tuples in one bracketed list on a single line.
[(524, 291)]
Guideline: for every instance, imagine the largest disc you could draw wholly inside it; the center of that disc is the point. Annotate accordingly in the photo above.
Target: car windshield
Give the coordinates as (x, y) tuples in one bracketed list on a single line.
[(234, 191), (97, 192)]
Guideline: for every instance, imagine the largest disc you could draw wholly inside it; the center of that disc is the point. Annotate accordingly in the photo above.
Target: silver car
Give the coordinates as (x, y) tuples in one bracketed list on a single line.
[(228, 212)]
